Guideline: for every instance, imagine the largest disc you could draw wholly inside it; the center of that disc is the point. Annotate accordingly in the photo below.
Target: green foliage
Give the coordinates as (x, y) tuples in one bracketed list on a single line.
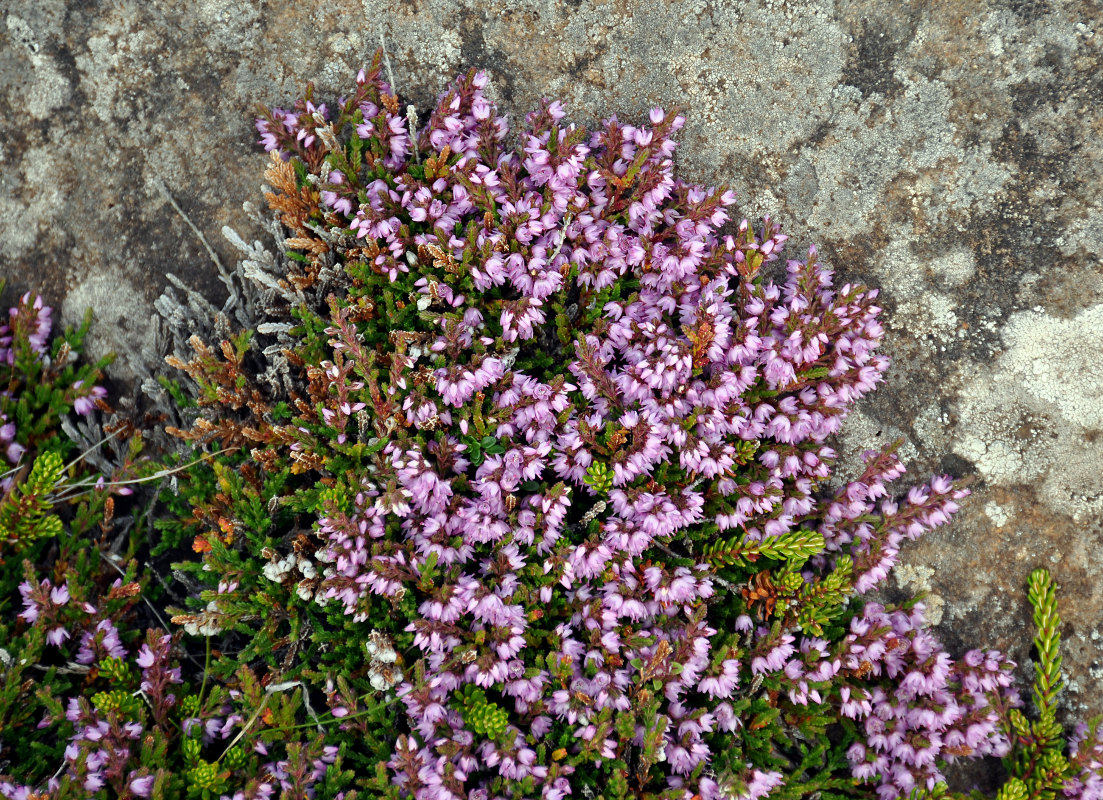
[(1042, 593), (793, 546), (25, 511), (118, 701), (599, 477), (479, 448), (1038, 764), (821, 601), (1014, 789), (481, 715), (206, 781)]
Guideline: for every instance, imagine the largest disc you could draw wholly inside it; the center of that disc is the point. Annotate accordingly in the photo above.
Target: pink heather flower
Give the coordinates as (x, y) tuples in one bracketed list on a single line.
[(56, 636), (761, 784), (142, 786), (14, 452), (774, 660), (145, 657), (104, 639), (30, 607), (93, 782), (85, 403)]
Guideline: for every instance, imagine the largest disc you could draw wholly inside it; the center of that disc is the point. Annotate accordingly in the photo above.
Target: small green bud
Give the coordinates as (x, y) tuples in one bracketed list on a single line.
[(191, 749), (1014, 789), (205, 780), (599, 477), (235, 758), (189, 706), (117, 700), (114, 669)]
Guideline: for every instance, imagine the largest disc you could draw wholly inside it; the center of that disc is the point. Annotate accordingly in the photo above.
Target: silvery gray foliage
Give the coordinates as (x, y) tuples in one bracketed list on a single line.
[(259, 299)]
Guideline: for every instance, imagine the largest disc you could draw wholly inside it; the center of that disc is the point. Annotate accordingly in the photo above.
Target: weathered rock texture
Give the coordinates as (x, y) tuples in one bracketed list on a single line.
[(948, 152)]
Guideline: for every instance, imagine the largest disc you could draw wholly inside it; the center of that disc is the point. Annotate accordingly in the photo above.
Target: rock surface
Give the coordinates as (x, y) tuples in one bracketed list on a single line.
[(947, 152)]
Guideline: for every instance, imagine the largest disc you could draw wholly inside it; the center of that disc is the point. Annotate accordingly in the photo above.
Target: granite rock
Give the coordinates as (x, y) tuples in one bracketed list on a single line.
[(948, 152)]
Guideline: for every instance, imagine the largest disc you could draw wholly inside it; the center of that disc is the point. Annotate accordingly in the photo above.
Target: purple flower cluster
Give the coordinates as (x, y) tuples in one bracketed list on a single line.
[(101, 751), (280, 772), (13, 450), (100, 748), (85, 400), (43, 606), (49, 607), (15, 791), (1086, 754), (29, 321), (1085, 750), (101, 745), (933, 709), (99, 643), (871, 531), (27, 329), (157, 675)]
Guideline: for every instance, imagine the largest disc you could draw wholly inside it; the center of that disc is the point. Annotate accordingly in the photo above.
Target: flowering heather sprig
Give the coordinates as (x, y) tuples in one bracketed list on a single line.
[(157, 676), (100, 642), (25, 333), (99, 750), (13, 450), (85, 401), (920, 708), (42, 606), (1086, 757), (64, 613), (872, 532), (25, 338), (38, 383), (28, 326)]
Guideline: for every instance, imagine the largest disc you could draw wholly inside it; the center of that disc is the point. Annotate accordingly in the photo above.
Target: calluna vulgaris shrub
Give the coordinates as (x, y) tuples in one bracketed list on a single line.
[(509, 476)]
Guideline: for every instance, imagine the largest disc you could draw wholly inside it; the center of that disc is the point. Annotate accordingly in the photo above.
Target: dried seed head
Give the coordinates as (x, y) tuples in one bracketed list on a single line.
[(590, 515)]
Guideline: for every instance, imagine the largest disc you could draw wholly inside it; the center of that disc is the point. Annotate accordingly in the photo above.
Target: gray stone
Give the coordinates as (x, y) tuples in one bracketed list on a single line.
[(947, 152)]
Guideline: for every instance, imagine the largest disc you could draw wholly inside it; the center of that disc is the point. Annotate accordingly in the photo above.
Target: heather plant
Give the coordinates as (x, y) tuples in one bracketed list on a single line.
[(545, 395), (83, 684), (509, 475), (48, 508)]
